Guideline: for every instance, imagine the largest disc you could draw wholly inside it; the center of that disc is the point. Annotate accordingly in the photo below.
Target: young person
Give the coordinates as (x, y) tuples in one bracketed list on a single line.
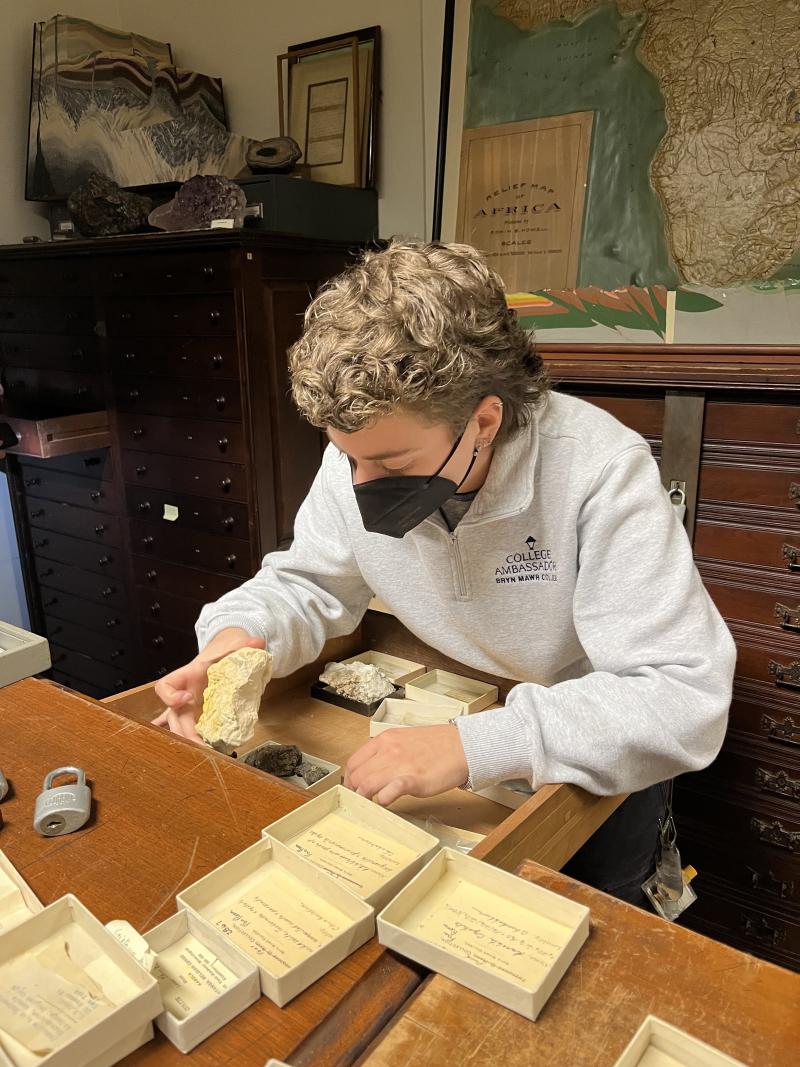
[(521, 532)]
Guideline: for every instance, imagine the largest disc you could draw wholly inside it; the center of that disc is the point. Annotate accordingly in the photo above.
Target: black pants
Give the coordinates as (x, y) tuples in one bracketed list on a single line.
[(621, 855)]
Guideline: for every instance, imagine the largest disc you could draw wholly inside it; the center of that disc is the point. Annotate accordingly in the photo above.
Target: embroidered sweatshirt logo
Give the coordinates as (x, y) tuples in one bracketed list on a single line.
[(532, 565)]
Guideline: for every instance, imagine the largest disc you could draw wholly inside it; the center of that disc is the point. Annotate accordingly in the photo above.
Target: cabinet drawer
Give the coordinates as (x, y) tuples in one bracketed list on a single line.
[(777, 488), (97, 464), (68, 579), (35, 275), (739, 823), (37, 390), (78, 522), (176, 272), (178, 397), (750, 927), (224, 517), (227, 555), (643, 414), (178, 357), (772, 549), (767, 424), (167, 610), (189, 437), (37, 314), (778, 724), (775, 664), (160, 577), (165, 648), (772, 774), (78, 685), (766, 605), (228, 481), (63, 488), (83, 668), (187, 315), (111, 650), (99, 558), (104, 618), (49, 351), (761, 875)]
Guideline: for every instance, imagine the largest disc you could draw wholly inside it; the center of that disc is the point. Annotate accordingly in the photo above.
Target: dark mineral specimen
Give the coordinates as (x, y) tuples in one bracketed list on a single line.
[(198, 202), (310, 772), (280, 760), (100, 208)]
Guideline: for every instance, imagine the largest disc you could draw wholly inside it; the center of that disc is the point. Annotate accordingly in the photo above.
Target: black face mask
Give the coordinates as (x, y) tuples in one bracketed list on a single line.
[(396, 504)]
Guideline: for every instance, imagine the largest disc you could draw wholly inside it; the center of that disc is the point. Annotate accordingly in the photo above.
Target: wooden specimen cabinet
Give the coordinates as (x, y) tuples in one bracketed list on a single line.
[(725, 424), (159, 456)]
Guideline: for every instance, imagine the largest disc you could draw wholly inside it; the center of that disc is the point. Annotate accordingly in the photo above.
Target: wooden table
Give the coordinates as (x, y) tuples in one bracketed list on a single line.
[(633, 965), (167, 812)]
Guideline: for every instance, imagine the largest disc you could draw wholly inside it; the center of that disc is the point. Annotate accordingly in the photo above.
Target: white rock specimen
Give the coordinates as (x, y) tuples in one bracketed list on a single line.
[(363, 682), (233, 696)]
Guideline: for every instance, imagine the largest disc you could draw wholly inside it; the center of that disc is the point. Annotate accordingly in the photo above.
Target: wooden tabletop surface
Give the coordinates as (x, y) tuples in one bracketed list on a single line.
[(633, 965), (166, 813)]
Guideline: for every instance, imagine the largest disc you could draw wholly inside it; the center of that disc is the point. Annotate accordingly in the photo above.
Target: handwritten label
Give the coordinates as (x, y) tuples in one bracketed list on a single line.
[(360, 856), (482, 928), (279, 922), (46, 1000), (189, 975)]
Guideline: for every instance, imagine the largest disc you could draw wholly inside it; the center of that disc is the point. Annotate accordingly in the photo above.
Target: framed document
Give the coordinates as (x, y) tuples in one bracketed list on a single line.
[(522, 188)]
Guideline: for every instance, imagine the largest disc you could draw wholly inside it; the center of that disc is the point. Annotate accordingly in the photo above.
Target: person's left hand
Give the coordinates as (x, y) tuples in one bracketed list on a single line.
[(418, 761)]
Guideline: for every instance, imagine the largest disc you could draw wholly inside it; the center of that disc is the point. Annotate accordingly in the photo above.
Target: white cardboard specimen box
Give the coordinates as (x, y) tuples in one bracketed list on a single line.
[(395, 668), (367, 849), (394, 713), (657, 1044), (505, 938), (291, 919), (17, 900), (22, 654), (70, 993), (442, 687)]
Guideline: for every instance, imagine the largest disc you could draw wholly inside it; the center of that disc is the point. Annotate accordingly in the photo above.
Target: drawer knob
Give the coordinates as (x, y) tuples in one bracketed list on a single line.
[(116, 653), (794, 492), (228, 522), (222, 444), (38, 514), (155, 608), (768, 883), (792, 555), (138, 432), (217, 359), (92, 461), (157, 642), (214, 316), (147, 542), (33, 481), (50, 601), (95, 494), (47, 572), (775, 833), (221, 401), (41, 543), (141, 470), (151, 576), (100, 529), (161, 672), (77, 353), (790, 618), (111, 623), (208, 272), (786, 675), (231, 560), (134, 394), (225, 485), (144, 505), (118, 275), (185, 398), (778, 782), (760, 930), (126, 316), (108, 591), (129, 356), (104, 561), (82, 390), (168, 276), (120, 684)]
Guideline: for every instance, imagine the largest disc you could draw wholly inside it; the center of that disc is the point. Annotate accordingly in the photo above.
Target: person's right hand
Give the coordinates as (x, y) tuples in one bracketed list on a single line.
[(181, 691)]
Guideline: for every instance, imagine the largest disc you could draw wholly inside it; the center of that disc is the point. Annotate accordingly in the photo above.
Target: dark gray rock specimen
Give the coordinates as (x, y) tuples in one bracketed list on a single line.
[(100, 208), (280, 760), (310, 772)]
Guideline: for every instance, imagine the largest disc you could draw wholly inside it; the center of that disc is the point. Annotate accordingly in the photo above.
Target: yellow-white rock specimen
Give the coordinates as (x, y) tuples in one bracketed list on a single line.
[(232, 698), (363, 682)]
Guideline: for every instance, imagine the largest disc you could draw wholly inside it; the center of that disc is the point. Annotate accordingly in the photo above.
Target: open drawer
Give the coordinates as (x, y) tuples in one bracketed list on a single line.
[(56, 435)]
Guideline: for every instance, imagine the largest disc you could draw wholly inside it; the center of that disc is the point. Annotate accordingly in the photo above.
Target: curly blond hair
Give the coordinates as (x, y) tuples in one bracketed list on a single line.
[(419, 328)]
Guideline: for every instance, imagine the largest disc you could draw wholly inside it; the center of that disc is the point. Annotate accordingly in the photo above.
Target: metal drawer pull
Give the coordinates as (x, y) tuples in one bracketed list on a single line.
[(225, 484), (790, 617), (96, 494), (214, 316), (774, 833), (129, 355), (231, 560), (768, 883), (141, 470), (47, 572), (108, 591), (144, 505), (151, 576), (786, 676), (77, 353), (91, 461), (788, 730), (38, 514), (100, 529), (41, 543), (147, 542), (221, 401), (157, 642), (208, 271), (33, 481), (134, 394), (104, 561), (138, 432), (228, 522), (792, 555), (116, 653), (49, 603), (794, 492), (760, 930), (118, 275), (112, 623), (82, 390), (778, 782), (155, 608), (222, 445), (217, 359)]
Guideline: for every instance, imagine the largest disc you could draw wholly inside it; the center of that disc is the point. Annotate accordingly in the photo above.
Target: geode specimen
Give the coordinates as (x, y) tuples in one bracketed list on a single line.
[(310, 772), (233, 696), (198, 202), (280, 760), (100, 208), (363, 682), (273, 154)]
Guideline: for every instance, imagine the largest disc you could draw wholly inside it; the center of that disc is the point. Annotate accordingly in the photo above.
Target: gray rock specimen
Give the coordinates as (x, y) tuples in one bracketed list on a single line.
[(280, 760), (100, 208)]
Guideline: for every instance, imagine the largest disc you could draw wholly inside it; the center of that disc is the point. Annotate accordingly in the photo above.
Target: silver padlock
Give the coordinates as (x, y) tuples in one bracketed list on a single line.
[(64, 808)]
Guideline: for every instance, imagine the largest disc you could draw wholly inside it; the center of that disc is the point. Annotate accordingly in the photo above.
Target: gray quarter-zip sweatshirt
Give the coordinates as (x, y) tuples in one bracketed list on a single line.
[(570, 572)]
